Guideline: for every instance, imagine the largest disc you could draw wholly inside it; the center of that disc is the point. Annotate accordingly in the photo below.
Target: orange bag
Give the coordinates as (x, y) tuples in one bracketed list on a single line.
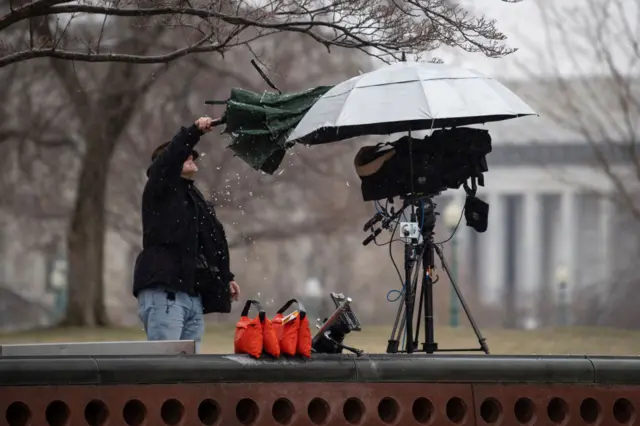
[(249, 337), (270, 339), (293, 331), (303, 347)]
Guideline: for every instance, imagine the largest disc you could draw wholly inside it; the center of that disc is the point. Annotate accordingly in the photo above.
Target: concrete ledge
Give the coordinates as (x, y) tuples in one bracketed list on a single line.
[(166, 369), (123, 348)]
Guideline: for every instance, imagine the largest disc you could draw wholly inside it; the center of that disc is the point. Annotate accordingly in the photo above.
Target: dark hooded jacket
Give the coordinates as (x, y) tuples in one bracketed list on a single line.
[(178, 224)]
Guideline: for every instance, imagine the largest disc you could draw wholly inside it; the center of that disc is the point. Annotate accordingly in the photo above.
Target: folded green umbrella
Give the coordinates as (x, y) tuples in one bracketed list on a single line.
[(259, 123)]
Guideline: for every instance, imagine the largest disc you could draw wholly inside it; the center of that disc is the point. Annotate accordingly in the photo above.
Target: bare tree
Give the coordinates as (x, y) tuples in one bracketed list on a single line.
[(380, 28), (591, 88), (35, 165), (592, 58), (103, 101)]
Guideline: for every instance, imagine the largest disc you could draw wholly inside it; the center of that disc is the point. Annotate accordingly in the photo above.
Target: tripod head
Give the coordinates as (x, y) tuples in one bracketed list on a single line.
[(422, 222), (421, 225)]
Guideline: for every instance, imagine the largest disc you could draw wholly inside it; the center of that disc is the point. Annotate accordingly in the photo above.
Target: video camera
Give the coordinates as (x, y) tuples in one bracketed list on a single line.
[(445, 160)]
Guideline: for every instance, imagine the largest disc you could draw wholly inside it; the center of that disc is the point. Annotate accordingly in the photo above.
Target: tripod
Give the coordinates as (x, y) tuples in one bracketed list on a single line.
[(419, 250)]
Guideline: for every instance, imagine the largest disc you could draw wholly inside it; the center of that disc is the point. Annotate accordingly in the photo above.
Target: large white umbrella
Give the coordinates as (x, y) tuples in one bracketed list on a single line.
[(407, 96)]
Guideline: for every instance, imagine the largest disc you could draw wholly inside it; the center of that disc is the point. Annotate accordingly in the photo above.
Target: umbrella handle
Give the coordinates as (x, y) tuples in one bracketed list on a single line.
[(218, 121)]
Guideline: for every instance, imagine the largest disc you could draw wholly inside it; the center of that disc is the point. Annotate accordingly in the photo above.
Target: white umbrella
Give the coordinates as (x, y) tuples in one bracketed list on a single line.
[(407, 96)]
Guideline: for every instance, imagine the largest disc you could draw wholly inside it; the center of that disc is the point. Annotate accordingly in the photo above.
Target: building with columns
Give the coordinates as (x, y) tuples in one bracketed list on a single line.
[(554, 232)]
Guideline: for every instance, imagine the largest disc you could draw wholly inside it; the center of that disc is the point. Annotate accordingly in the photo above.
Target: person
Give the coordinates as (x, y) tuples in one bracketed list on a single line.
[(183, 271)]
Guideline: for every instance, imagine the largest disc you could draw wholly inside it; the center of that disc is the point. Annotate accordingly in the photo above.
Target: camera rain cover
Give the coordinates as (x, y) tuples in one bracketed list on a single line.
[(444, 160)]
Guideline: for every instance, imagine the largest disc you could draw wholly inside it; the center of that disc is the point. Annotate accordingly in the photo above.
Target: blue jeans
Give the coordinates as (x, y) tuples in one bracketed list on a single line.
[(164, 319)]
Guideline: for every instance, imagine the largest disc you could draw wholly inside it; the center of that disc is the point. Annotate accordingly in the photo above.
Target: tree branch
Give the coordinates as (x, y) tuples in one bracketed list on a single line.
[(377, 29), (30, 10), (105, 57)]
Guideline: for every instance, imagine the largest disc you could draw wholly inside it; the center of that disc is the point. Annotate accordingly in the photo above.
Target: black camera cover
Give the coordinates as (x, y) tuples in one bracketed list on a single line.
[(444, 160)]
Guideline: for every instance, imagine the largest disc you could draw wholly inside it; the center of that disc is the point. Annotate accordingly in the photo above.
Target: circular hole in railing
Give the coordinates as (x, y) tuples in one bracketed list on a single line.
[(590, 411), (96, 413), (491, 411), (524, 410), (208, 412), (353, 411), (388, 410), (18, 414), (57, 413), (247, 411), (318, 411), (282, 411), (422, 410), (456, 410), (557, 410), (172, 412), (134, 413), (623, 411)]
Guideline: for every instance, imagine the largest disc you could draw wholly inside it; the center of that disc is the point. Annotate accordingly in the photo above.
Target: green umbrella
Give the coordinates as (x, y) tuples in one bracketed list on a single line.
[(259, 123)]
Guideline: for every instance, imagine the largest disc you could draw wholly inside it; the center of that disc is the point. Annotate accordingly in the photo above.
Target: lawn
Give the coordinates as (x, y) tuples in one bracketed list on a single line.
[(219, 339)]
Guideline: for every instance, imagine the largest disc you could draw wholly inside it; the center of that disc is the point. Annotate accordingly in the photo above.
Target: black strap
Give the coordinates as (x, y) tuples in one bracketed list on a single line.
[(287, 305), (474, 186), (247, 306)]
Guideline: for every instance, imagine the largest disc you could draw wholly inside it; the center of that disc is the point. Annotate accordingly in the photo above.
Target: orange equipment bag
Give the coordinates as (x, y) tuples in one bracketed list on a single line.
[(293, 331), (255, 335), (249, 337), (270, 339)]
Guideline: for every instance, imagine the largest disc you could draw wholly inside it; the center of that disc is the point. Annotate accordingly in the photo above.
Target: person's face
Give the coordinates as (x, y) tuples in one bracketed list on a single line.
[(189, 167)]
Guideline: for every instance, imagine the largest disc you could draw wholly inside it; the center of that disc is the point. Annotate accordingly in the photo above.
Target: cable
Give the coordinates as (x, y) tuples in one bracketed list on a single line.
[(388, 242), (402, 286), (454, 230), (422, 221), (400, 292)]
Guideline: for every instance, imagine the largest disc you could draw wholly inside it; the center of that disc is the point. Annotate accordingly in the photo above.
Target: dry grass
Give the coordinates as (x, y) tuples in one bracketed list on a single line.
[(219, 339)]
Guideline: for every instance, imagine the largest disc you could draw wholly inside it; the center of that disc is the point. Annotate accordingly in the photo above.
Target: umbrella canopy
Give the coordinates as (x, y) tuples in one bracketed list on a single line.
[(259, 123), (407, 96)]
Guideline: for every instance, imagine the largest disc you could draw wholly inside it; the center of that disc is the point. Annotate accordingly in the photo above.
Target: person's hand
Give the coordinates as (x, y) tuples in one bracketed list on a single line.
[(234, 290), (205, 124)]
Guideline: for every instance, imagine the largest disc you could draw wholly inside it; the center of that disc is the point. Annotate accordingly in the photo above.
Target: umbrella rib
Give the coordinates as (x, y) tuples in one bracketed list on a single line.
[(342, 110), (410, 81), (426, 99)]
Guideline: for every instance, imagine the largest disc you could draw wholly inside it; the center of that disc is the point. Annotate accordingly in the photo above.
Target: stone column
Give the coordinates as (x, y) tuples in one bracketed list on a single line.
[(568, 228), (530, 272), (604, 245), (493, 251)]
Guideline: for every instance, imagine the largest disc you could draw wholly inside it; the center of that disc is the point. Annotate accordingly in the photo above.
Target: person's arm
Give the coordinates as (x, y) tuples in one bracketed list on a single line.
[(168, 165)]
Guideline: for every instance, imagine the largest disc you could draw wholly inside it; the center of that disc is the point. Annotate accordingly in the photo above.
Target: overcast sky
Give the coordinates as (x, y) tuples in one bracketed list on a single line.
[(525, 28), (522, 25)]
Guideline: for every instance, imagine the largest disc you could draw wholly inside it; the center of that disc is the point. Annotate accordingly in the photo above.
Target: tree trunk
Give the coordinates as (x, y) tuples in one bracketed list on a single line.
[(86, 240)]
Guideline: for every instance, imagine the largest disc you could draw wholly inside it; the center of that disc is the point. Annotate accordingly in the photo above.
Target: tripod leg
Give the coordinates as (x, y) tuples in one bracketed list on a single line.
[(430, 346), (409, 293), (399, 326), (481, 339), (394, 340), (421, 302)]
